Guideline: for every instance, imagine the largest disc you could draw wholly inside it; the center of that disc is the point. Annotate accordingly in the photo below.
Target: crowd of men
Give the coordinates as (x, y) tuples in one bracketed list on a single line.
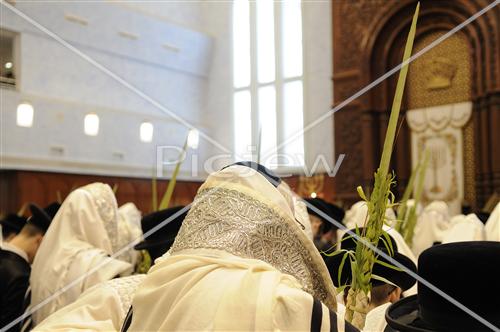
[(247, 254)]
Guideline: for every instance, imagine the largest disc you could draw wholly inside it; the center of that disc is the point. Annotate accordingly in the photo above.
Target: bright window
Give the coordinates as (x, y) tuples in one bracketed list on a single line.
[(268, 102)]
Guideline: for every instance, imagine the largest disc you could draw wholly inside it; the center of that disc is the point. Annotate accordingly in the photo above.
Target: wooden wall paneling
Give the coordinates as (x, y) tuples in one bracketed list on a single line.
[(8, 192), (41, 188)]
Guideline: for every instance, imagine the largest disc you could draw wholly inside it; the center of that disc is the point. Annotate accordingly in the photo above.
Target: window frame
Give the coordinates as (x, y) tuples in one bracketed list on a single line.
[(278, 83)]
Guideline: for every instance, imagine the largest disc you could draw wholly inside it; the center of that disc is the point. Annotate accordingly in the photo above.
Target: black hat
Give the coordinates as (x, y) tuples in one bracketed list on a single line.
[(400, 278), (466, 271), (39, 217), (329, 209), (52, 209), (270, 176), (13, 223), (483, 216), (164, 237)]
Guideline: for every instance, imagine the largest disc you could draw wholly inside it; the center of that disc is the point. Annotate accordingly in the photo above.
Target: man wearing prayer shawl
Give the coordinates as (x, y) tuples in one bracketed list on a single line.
[(100, 308), (76, 250), (492, 226), (129, 230), (464, 228), (431, 227), (241, 261)]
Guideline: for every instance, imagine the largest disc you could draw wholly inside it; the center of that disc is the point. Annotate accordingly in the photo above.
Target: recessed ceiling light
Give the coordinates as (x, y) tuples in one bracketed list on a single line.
[(25, 115), (91, 124), (146, 131), (193, 138)]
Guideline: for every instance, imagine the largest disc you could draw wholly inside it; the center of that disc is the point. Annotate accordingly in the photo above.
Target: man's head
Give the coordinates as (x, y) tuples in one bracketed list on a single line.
[(32, 233), (11, 226), (380, 294), (320, 225), (159, 242), (316, 223), (29, 240), (385, 293)]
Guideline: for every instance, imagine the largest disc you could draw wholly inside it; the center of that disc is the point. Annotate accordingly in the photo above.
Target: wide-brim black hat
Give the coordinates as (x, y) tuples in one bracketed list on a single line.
[(270, 176), (39, 217), (466, 271), (387, 246), (164, 236), (331, 210), (52, 209), (395, 275), (13, 223)]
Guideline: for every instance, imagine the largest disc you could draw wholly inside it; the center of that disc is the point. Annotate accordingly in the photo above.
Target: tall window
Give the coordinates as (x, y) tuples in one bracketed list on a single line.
[(268, 80)]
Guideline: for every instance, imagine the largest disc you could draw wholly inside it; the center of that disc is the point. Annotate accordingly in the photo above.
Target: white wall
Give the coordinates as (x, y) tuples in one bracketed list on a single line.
[(318, 94), (194, 83), (63, 87)]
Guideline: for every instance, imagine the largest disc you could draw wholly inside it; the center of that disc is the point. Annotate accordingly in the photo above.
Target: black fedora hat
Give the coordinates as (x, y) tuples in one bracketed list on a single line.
[(13, 223), (52, 209), (399, 278), (39, 217), (164, 236), (329, 209), (466, 271), (270, 176)]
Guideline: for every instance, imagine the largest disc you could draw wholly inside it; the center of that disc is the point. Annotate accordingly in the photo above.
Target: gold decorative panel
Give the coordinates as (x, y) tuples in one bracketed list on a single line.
[(469, 166), (312, 184), (442, 75)]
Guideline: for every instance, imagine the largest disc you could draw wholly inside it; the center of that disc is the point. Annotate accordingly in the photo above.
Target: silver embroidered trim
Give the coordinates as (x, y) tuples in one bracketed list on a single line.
[(107, 208), (125, 288), (234, 222)]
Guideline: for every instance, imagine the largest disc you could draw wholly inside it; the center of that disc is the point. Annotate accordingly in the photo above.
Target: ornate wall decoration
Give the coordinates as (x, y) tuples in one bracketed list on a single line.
[(439, 130), (368, 37), (352, 31), (351, 170), (469, 165), (311, 184), (441, 72), (443, 75)]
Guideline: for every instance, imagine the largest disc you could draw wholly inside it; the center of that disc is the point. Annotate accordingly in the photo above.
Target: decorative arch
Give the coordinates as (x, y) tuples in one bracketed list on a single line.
[(380, 50)]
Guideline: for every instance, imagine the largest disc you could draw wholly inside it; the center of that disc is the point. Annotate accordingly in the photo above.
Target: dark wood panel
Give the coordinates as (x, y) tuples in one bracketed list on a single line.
[(19, 187)]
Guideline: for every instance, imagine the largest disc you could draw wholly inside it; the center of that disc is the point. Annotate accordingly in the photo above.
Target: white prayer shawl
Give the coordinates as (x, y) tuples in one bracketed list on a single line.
[(375, 319), (100, 308), (403, 247), (223, 292), (464, 228), (79, 240), (411, 203), (492, 227), (431, 226), (129, 231), (219, 269)]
